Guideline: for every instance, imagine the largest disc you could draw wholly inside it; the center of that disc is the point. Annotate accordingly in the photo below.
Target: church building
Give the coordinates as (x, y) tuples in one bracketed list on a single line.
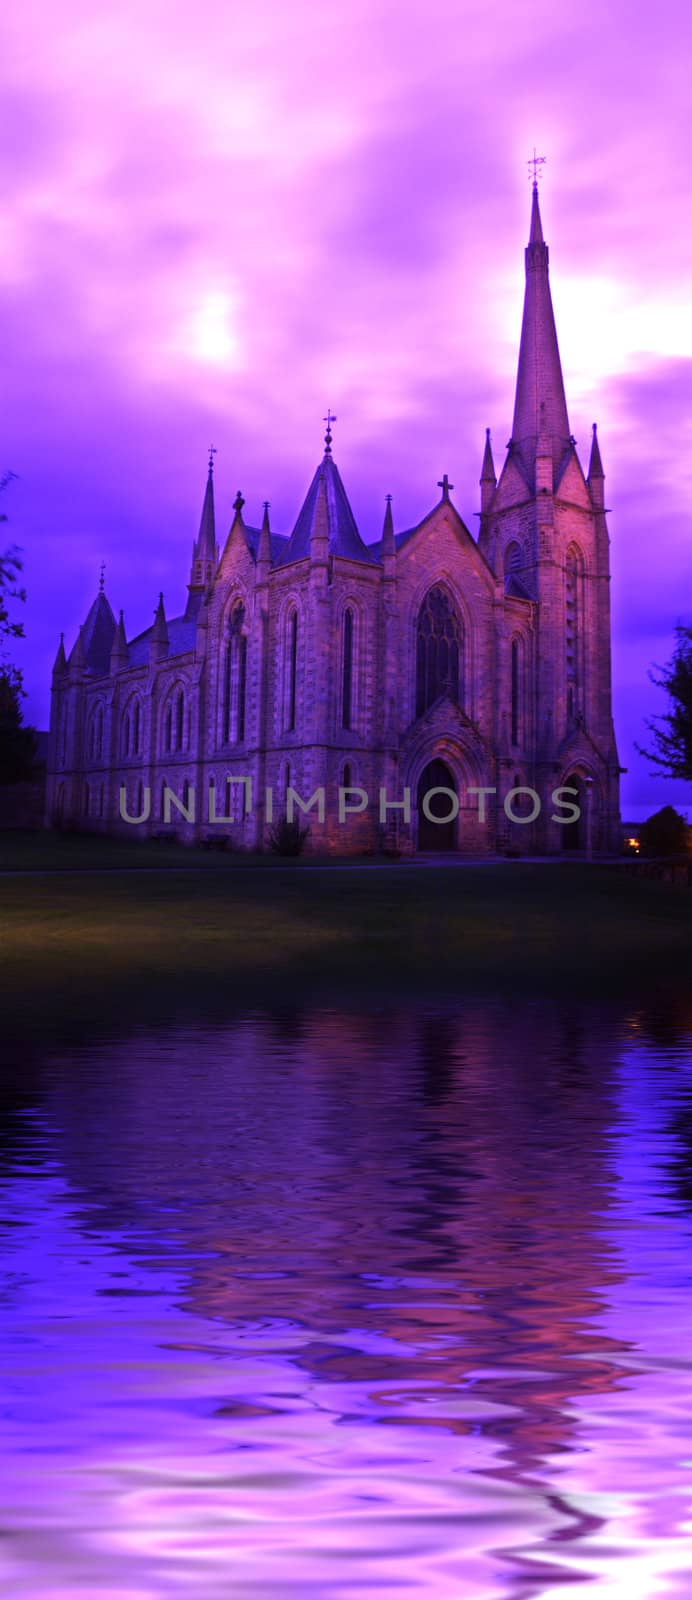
[(431, 691)]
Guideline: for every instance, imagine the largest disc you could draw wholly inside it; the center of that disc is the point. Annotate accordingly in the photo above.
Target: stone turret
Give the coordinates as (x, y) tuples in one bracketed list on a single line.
[(158, 642)]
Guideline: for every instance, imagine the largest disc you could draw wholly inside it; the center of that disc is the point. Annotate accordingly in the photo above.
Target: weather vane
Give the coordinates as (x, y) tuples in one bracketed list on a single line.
[(329, 419), (212, 453), (102, 576), (535, 162)]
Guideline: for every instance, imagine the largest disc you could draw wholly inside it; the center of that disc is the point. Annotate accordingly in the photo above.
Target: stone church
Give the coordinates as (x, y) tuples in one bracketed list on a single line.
[(430, 691)]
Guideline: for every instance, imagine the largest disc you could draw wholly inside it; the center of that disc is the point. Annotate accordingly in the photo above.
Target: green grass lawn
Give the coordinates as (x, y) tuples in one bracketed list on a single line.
[(75, 943)]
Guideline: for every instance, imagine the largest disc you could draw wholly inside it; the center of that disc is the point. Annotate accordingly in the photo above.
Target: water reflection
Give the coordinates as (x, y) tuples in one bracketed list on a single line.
[(332, 1304)]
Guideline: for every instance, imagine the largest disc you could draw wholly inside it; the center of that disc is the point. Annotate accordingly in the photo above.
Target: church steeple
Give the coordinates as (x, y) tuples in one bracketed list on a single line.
[(205, 553), (539, 376)]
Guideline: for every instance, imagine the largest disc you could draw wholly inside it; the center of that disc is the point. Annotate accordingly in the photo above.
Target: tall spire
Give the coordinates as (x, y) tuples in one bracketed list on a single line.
[(205, 549), (539, 376), (264, 547), (205, 554), (488, 478), (595, 463), (119, 656), (60, 664), (388, 543), (596, 475), (158, 638)]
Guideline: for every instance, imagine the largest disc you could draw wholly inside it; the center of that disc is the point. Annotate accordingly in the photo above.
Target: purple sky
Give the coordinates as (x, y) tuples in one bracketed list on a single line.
[(217, 222)]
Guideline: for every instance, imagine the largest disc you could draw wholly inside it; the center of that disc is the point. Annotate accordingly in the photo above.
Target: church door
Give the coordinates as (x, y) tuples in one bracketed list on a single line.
[(573, 833), (436, 835)]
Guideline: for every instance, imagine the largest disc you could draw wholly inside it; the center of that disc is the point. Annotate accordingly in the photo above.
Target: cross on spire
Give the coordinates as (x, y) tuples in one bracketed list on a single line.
[(535, 162), (102, 576), (329, 419), (212, 453), (445, 485)]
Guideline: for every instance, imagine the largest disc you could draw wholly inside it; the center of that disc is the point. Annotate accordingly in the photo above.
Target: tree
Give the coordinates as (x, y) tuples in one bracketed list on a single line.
[(664, 834), (17, 743), (10, 588), (672, 732)]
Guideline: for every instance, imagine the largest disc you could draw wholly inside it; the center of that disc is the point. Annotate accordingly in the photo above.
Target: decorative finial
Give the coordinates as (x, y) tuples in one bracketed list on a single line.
[(329, 419), (102, 576), (535, 162), (238, 503), (445, 485), (266, 504), (388, 499), (212, 453)]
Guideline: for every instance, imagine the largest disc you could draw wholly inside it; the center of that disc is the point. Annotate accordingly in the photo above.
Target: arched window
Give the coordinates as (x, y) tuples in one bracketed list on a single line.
[(512, 562), (164, 787), (439, 650), (180, 720), (292, 675), (574, 568), (236, 800), (136, 728), (168, 727), (96, 741), (125, 738), (235, 678), (347, 670), (516, 676)]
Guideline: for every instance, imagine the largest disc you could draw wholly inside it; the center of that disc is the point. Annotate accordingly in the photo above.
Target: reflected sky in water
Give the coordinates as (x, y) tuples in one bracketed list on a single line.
[(324, 1304)]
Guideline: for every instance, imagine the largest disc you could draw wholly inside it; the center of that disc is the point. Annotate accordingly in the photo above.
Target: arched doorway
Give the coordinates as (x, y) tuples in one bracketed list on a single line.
[(574, 833), (437, 835)]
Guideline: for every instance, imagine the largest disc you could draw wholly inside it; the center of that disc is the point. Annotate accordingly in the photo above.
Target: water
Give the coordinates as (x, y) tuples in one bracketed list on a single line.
[(335, 1305)]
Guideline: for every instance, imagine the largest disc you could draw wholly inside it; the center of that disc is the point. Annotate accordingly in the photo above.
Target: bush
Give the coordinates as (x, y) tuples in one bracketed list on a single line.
[(287, 838), (664, 834)]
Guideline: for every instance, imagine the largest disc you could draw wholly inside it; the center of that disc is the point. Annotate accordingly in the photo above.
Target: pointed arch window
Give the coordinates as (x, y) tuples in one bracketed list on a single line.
[(136, 727), (347, 670), (292, 675), (516, 690), (180, 720), (513, 561), (126, 734), (96, 740), (574, 570), (235, 678), (439, 650)]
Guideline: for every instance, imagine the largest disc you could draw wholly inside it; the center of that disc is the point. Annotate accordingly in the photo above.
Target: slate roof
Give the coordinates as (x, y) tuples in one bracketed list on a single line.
[(182, 633), (97, 637), (344, 538)]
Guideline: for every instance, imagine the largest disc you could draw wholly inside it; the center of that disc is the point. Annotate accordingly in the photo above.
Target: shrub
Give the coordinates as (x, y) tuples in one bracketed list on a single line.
[(665, 834), (287, 838)]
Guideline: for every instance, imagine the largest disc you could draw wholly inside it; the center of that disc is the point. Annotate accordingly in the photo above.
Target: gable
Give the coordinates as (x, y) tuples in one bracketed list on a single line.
[(572, 485)]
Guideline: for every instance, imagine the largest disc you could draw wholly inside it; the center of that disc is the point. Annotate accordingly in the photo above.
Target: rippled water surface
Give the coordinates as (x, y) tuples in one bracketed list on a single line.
[(323, 1304)]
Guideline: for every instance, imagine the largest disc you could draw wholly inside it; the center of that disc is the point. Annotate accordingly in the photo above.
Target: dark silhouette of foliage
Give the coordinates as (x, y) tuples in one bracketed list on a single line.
[(17, 742), (664, 834), (287, 838), (672, 732)]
